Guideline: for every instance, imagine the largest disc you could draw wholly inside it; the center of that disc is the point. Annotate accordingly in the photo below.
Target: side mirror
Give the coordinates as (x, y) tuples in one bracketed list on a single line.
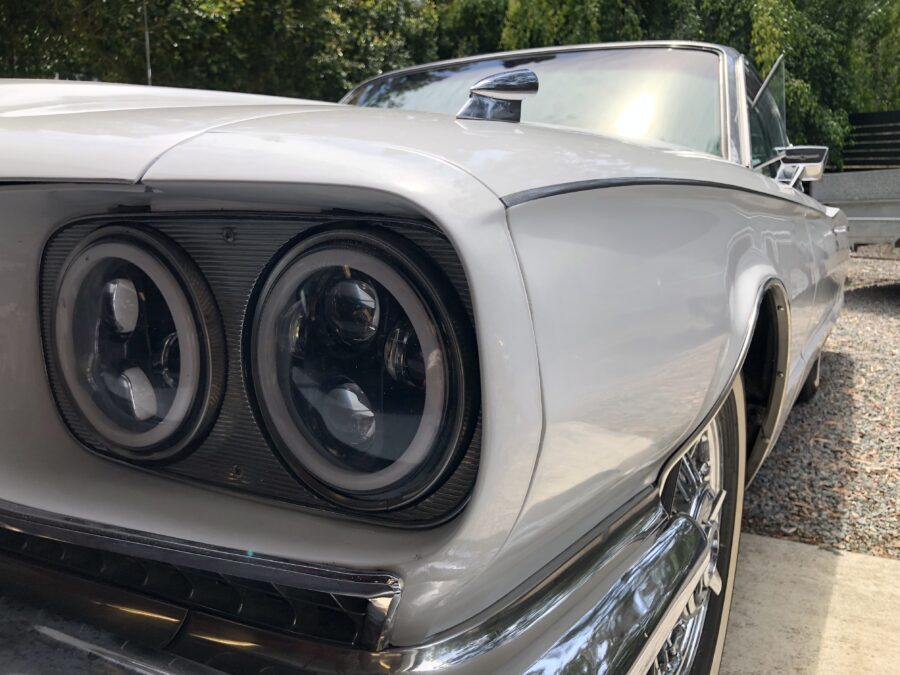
[(802, 162), (499, 97)]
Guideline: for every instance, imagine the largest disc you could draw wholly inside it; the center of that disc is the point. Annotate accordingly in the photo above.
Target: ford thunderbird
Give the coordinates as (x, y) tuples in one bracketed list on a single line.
[(466, 373)]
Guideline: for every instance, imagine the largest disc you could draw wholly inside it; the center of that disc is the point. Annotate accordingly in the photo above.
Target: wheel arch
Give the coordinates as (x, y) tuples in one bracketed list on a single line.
[(767, 338), (764, 369)]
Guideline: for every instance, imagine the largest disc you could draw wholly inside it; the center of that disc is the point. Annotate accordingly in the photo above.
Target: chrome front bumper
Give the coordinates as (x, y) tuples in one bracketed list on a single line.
[(607, 607)]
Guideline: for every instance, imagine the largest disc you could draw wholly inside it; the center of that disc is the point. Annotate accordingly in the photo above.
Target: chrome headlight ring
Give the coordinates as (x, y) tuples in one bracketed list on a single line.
[(363, 367), (138, 341)]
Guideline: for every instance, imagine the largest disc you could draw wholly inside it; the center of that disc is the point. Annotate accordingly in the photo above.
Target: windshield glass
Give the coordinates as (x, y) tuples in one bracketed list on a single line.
[(658, 94), (768, 125)]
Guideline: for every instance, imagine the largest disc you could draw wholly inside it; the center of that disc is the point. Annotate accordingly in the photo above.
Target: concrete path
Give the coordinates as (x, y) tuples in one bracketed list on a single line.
[(801, 609)]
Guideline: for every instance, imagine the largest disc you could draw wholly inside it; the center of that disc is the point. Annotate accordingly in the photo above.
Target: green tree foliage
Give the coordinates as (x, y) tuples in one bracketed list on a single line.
[(841, 56), (469, 27), (530, 23), (312, 48), (875, 58)]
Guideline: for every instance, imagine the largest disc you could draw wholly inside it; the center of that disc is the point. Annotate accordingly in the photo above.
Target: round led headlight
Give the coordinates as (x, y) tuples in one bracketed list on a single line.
[(138, 343), (362, 367)]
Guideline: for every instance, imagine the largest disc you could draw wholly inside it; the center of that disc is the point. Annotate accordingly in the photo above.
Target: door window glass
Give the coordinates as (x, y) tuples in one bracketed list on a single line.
[(768, 129)]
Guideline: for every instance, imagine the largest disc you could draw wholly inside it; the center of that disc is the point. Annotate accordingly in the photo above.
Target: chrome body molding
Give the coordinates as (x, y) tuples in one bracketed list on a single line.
[(598, 184), (595, 605), (248, 564)]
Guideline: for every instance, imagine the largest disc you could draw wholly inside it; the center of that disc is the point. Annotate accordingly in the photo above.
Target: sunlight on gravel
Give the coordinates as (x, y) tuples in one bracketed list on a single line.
[(833, 479)]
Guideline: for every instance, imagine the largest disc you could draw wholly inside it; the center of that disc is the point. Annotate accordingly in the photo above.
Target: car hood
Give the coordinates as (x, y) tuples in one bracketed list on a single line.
[(351, 146), (127, 133), (101, 132)]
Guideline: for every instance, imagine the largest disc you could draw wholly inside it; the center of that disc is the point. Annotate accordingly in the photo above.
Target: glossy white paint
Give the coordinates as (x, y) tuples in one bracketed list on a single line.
[(29, 98), (506, 158), (642, 299), (87, 131), (608, 320)]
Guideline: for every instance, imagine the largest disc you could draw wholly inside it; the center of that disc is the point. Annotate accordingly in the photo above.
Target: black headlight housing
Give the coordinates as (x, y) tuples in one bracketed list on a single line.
[(222, 262), (138, 341), (362, 364)]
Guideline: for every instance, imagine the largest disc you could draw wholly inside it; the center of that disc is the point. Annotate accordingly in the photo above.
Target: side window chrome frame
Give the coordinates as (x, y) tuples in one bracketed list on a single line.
[(745, 106), (743, 114), (730, 106), (797, 164)]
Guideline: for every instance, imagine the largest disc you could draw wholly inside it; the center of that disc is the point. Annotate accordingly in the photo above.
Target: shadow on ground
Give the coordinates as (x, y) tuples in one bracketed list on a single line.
[(878, 299), (800, 492)]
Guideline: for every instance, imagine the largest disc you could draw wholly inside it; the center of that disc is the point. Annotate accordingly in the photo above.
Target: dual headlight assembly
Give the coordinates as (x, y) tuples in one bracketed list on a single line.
[(358, 358)]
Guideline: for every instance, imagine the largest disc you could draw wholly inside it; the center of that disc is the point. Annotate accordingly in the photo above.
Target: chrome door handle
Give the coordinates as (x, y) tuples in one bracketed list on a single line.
[(839, 229)]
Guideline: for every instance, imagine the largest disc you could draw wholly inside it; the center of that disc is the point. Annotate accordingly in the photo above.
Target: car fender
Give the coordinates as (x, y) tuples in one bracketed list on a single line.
[(644, 301)]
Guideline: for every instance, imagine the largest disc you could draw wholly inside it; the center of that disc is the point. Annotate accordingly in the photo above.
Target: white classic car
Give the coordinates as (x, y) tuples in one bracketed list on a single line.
[(465, 374)]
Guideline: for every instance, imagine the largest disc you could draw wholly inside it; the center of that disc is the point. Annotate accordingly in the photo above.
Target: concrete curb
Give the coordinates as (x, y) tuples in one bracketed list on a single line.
[(802, 609)]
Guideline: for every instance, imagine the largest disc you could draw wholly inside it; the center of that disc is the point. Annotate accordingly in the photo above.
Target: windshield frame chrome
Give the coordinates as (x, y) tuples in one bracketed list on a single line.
[(745, 106)]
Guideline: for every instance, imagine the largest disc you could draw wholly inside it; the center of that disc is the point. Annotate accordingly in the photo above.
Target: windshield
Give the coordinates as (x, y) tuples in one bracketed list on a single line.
[(657, 94)]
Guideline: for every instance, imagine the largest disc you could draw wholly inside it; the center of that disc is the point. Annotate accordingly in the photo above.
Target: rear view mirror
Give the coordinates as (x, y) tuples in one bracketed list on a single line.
[(802, 162)]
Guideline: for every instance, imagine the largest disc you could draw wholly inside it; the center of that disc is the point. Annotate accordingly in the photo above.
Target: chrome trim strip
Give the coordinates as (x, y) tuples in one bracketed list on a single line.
[(533, 194), (725, 105), (591, 560), (626, 630), (381, 589), (247, 564), (688, 546), (765, 84), (743, 121), (539, 51)]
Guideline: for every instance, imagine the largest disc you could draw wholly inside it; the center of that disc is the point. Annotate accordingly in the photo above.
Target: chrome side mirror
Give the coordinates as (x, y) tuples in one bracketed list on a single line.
[(802, 162), (499, 97)]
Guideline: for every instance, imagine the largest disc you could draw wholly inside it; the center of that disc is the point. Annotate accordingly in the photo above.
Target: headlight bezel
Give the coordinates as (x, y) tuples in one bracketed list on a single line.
[(195, 313), (234, 251), (452, 329)]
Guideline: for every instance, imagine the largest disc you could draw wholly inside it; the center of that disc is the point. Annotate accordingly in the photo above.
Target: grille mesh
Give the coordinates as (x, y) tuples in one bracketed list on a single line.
[(313, 614), (233, 253)]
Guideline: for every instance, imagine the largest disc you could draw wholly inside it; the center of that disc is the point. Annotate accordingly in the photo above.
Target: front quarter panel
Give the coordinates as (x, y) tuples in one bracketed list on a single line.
[(643, 299)]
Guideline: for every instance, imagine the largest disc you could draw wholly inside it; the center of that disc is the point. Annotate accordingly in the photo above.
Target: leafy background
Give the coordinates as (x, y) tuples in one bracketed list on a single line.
[(843, 56)]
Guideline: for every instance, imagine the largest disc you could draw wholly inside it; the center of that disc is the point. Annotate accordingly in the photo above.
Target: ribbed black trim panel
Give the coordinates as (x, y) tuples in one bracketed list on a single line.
[(322, 616)]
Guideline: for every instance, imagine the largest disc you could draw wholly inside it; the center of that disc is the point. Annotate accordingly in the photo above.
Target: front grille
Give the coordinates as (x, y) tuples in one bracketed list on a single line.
[(338, 618), (233, 253)]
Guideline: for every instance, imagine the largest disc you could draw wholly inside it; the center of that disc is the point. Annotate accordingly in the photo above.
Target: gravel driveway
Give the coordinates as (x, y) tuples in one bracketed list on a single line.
[(833, 479)]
